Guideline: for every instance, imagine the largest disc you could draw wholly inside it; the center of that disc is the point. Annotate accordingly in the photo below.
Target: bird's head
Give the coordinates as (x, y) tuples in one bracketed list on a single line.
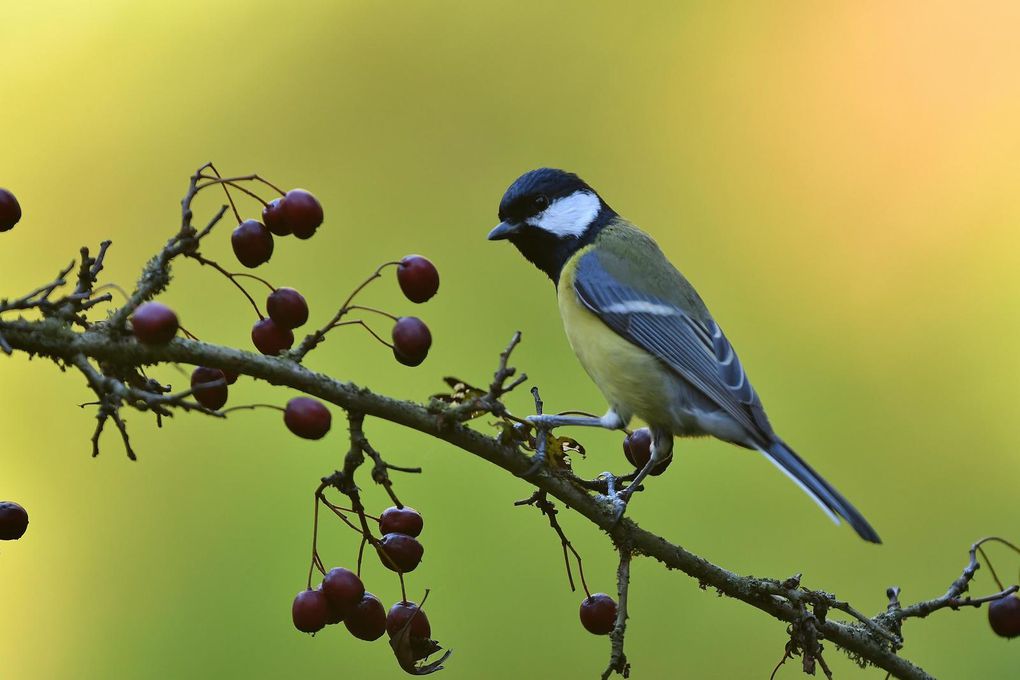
[(548, 215)]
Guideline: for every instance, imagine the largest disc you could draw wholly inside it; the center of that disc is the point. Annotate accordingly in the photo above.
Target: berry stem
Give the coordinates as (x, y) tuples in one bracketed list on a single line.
[(215, 265), (984, 556), (361, 553), (257, 278), (188, 333), (251, 407), (233, 206), (253, 178), (229, 182), (315, 562), (315, 338), (374, 310), (359, 322)]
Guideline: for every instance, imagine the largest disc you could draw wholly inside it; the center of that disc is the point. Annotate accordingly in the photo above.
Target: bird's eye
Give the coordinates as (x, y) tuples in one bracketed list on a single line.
[(541, 202)]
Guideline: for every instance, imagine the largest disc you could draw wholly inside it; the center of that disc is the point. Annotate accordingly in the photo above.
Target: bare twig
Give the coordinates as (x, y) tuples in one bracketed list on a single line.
[(617, 659)]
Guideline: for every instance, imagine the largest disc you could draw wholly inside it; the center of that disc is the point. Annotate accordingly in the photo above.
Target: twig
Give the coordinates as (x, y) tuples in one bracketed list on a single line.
[(617, 659), (313, 339), (541, 501)]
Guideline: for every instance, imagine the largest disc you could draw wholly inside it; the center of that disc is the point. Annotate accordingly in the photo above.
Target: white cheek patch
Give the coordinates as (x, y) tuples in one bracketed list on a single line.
[(570, 215)]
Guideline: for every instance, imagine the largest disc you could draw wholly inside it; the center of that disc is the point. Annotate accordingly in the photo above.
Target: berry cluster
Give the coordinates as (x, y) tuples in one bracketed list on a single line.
[(296, 212), (13, 521), (341, 595)]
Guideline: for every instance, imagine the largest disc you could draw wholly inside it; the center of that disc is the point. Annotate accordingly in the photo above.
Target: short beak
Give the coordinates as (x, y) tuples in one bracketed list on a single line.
[(503, 230)]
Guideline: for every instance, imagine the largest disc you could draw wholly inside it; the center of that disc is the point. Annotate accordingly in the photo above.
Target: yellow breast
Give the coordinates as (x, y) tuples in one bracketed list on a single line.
[(633, 381)]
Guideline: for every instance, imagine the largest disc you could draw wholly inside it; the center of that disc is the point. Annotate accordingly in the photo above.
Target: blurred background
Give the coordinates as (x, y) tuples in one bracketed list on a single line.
[(839, 182)]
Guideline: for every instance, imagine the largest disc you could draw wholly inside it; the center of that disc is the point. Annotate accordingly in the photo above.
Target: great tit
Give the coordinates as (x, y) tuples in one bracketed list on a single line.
[(642, 333)]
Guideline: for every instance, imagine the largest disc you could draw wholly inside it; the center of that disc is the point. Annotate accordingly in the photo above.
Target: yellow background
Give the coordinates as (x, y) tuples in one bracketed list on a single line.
[(840, 182)]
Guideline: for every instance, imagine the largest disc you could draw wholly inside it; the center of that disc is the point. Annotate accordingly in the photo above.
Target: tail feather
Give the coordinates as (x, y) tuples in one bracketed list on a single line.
[(830, 500)]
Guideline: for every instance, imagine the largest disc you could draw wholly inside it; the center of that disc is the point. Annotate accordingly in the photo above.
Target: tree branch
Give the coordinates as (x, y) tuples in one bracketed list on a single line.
[(778, 599)]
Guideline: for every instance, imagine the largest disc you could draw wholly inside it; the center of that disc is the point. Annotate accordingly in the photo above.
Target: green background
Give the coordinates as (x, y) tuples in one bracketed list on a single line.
[(840, 182)]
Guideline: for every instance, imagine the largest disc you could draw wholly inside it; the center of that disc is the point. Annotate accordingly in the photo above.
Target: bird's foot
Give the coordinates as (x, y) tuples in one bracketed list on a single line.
[(615, 501), (537, 463)]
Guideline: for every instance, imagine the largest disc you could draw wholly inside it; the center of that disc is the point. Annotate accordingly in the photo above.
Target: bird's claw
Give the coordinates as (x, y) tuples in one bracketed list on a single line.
[(537, 463), (615, 501), (615, 504)]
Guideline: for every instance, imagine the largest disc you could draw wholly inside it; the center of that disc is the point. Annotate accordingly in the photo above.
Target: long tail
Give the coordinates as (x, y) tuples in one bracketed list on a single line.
[(830, 500)]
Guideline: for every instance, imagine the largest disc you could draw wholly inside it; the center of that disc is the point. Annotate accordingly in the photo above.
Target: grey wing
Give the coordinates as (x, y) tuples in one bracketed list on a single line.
[(695, 349)]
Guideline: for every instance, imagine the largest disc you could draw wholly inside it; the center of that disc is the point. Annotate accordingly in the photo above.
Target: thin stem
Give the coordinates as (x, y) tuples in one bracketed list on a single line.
[(252, 407), (315, 539), (231, 183), (257, 278), (359, 322), (374, 310), (230, 198), (215, 265), (315, 338)]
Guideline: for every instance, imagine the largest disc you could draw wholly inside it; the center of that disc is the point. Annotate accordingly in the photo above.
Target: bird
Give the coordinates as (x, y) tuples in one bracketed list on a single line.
[(643, 334)]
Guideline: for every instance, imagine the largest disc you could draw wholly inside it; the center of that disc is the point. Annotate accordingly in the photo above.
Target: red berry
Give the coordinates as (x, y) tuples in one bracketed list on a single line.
[(271, 338), (418, 278), (404, 552), (403, 520), (10, 210), (302, 212), (310, 611), (287, 307), (13, 521), (252, 243), (367, 619), (637, 447), (401, 613), (1004, 616), (154, 324), (598, 614), (213, 396), (231, 376), (411, 340), (343, 589), (335, 616), (307, 418), (274, 219)]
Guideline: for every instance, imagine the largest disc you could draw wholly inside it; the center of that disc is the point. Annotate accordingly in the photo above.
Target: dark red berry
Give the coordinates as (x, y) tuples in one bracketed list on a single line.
[(154, 324), (10, 210), (418, 278), (401, 613), (274, 219), (411, 340), (310, 611), (598, 614), (270, 338), (215, 395), (335, 616), (367, 619), (637, 447), (231, 376), (1004, 616), (307, 418), (287, 307), (343, 589), (252, 243), (13, 521), (403, 520), (302, 212), (404, 552)]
